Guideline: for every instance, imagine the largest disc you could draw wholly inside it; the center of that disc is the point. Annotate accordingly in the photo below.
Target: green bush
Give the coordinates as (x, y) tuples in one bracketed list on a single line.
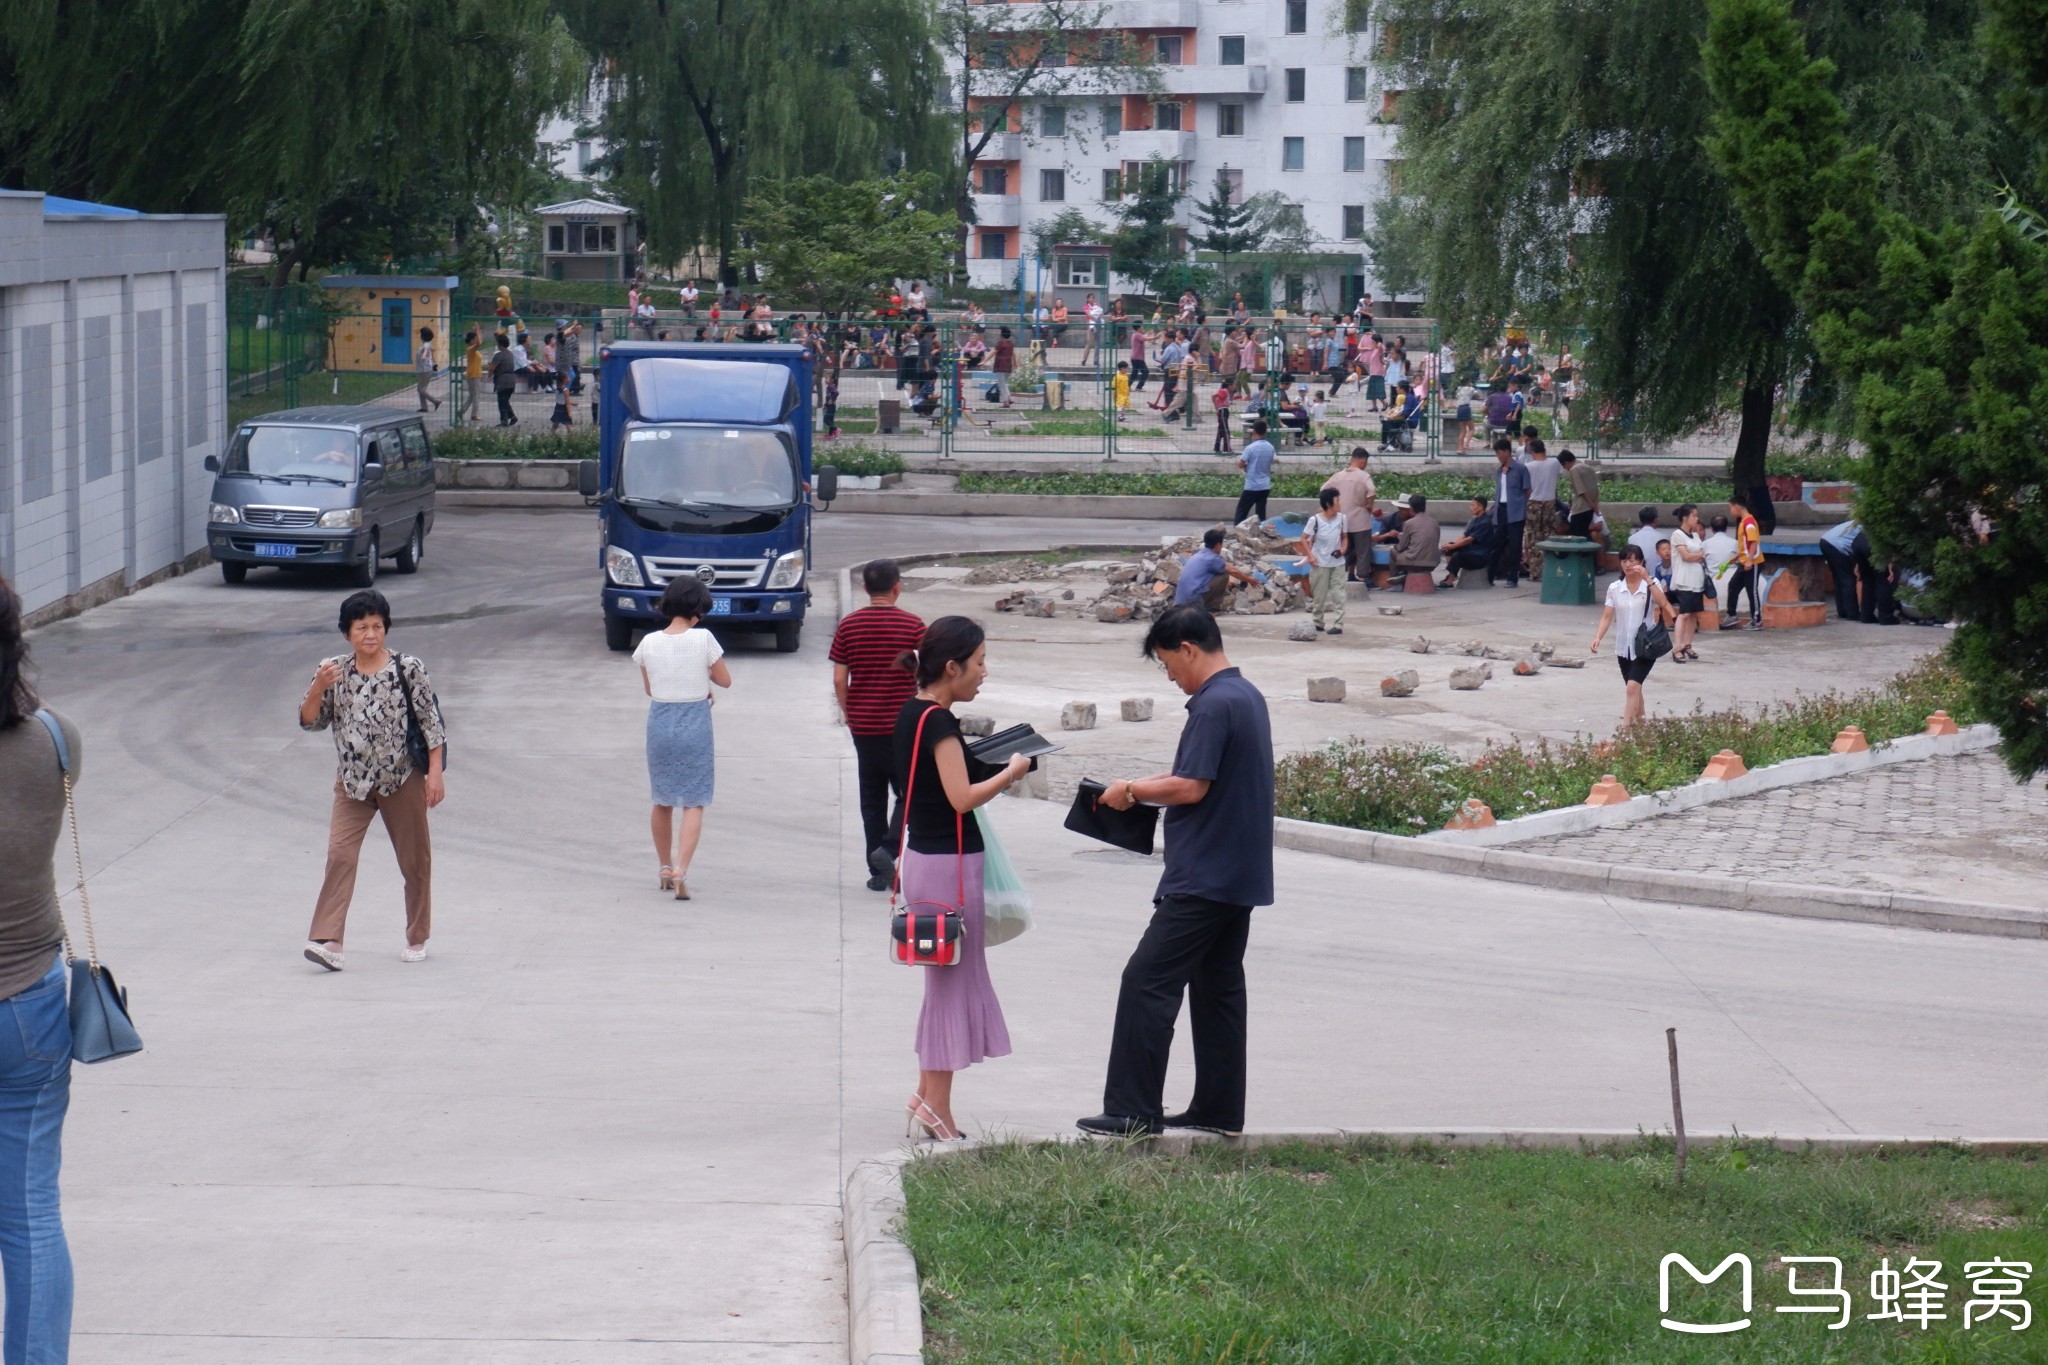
[(1816, 466), (1450, 489), (1406, 789), (494, 443), (853, 459)]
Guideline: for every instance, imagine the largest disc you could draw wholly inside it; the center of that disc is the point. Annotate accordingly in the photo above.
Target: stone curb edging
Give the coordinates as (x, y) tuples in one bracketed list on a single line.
[(884, 1312), (1813, 768)]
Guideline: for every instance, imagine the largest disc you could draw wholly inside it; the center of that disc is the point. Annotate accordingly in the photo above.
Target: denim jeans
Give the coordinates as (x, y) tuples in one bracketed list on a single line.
[(35, 1090)]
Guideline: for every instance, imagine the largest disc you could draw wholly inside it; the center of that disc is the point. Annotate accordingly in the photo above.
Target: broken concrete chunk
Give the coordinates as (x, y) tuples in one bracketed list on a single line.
[(1077, 715), (974, 726), (1555, 662), (1302, 630), (1326, 689), (1402, 684), (1112, 610), (1468, 679), (1420, 645), (1137, 708), (1527, 668), (1543, 649)]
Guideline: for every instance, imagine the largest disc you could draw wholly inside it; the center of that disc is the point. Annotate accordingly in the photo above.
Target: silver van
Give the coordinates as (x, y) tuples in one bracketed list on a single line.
[(322, 487)]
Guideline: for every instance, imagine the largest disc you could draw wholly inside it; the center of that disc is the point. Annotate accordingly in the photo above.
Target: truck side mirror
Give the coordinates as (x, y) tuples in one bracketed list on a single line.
[(828, 483), (213, 464), (372, 472), (586, 478)]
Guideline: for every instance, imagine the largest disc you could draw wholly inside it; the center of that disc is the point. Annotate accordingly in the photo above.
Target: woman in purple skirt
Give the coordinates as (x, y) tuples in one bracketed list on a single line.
[(962, 1022)]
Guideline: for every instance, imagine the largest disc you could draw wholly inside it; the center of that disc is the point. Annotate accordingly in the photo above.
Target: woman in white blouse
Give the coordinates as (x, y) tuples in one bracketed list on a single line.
[(677, 667), (1630, 600)]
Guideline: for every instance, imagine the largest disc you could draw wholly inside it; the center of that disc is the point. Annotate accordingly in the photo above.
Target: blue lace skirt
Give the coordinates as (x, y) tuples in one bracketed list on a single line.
[(679, 766)]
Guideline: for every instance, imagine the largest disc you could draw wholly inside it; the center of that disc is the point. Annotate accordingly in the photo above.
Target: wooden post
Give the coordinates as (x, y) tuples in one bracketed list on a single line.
[(1677, 1109)]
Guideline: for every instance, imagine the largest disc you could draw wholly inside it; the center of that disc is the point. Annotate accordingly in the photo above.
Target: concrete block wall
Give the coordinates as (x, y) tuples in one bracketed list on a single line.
[(112, 394)]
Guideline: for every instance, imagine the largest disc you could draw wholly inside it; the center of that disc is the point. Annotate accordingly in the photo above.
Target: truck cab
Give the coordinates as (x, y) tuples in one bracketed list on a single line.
[(704, 469)]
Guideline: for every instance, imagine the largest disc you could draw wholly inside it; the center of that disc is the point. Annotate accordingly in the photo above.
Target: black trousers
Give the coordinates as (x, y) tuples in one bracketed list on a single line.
[(1197, 946), (1842, 568), (506, 417), (1741, 581), (1248, 502), (1507, 555), (1222, 442), (1471, 557), (875, 772), (1140, 374), (1581, 524)]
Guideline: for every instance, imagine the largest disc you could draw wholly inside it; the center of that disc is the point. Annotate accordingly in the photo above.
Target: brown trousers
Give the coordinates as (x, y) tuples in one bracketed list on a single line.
[(1540, 526), (405, 820)]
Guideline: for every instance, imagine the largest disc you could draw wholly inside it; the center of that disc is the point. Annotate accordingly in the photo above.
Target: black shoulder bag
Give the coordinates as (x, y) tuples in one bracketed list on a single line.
[(416, 738)]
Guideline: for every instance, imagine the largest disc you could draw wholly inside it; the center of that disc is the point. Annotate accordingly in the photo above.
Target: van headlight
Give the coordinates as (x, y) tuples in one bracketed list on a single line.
[(342, 518), (623, 568), (222, 514), (788, 571)]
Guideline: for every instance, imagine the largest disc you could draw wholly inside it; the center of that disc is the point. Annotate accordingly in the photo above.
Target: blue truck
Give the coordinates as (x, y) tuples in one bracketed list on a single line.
[(704, 469)]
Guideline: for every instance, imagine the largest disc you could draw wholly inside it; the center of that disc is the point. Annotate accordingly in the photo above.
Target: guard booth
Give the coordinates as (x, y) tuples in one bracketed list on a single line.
[(587, 239), (378, 318)]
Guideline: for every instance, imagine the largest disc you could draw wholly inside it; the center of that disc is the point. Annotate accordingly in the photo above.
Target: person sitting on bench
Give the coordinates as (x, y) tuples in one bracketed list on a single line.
[(1418, 545), (1474, 549)]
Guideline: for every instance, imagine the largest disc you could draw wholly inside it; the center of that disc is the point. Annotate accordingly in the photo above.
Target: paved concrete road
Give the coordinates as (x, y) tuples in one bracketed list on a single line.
[(598, 1126)]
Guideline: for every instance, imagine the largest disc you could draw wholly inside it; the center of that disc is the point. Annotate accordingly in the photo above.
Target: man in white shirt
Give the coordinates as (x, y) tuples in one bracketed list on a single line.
[(1688, 581), (1092, 353), (1323, 543), (1542, 519), (1646, 535), (689, 297), (1720, 547)]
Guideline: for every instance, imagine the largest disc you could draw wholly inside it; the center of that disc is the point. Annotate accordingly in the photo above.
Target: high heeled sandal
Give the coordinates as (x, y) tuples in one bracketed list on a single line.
[(682, 889), (668, 877), (922, 1115)]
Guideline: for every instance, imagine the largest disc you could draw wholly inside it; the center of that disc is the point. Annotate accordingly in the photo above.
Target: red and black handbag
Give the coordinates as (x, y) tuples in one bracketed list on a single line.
[(927, 933)]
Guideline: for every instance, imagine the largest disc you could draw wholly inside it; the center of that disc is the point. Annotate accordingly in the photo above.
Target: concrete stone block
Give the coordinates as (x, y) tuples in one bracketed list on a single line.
[(1527, 668), (484, 474), (1402, 684), (1607, 792), (1723, 766), (1474, 814), (1794, 615), (1113, 612), (1326, 689), (1137, 708), (976, 727), (1419, 585), (1851, 740), (1077, 715), (1420, 645), (1469, 679), (1941, 724), (1302, 631), (535, 474)]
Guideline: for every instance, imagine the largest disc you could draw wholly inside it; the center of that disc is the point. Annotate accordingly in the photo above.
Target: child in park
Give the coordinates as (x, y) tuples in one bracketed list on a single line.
[(1120, 388), (832, 404), (1318, 410)]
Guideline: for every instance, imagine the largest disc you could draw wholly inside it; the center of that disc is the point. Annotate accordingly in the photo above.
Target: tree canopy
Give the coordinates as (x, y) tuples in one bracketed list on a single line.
[(831, 245)]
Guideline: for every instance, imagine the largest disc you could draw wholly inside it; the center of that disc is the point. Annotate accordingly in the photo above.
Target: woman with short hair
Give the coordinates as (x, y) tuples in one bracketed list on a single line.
[(1631, 600), (962, 1021), (678, 664)]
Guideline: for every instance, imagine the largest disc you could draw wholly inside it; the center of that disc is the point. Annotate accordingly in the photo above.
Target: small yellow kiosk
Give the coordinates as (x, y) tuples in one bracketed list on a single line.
[(379, 317)]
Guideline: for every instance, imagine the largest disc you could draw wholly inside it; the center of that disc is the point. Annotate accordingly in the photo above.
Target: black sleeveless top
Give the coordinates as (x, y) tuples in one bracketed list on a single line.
[(930, 814)]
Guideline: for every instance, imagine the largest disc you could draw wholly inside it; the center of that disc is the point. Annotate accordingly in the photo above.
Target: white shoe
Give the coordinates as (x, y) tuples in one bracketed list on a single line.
[(321, 955), (412, 954)]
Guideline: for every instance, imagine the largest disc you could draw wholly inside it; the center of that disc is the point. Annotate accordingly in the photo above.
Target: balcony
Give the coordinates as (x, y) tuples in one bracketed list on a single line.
[(1133, 14), (998, 210), (1167, 144), (1212, 80), (1003, 147), (1237, 81)]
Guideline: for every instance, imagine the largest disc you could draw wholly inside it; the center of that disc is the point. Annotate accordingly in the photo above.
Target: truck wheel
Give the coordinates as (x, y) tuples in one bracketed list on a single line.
[(618, 634), (231, 572), (786, 633), (415, 548), (364, 575)]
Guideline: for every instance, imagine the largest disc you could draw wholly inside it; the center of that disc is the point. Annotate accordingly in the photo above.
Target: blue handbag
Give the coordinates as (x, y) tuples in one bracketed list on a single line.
[(100, 1026)]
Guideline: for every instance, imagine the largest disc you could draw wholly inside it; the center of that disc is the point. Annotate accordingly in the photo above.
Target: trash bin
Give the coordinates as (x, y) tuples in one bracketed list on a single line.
[(1568, 571), (889, 416), (1055, 393)]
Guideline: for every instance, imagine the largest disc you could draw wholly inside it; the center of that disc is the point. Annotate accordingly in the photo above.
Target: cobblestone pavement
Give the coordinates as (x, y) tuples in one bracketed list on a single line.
[(1956, 827)]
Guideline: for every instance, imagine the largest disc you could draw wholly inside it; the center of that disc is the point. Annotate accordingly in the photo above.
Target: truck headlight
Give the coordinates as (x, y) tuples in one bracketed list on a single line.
[(222, 514), (788, 571), (341, 518), (623, 568)]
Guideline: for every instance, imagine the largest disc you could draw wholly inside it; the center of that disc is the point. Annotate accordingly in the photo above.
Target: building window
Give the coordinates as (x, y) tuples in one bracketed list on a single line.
[(992, 246), (996, 179), (1292, 291), (1354, 83), (1297, 16), (1166, 47), (1230, 50), (608, 239), (1112, 185), (1234, 182), (1112, 119), (1297, 84), (1290, 154), (1052, 186), (1230, 120), (1354, 222), (1052, 120), (1166, 117), (1354, 153), (555, 238), (1076, 271)]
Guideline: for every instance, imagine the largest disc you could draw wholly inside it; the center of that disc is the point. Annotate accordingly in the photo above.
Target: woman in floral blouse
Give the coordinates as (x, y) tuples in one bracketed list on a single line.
[(363, 697)]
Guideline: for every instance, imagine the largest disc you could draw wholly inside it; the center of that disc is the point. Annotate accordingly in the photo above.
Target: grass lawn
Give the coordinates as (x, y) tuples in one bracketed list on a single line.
[(317, 390), (1369, 1252)]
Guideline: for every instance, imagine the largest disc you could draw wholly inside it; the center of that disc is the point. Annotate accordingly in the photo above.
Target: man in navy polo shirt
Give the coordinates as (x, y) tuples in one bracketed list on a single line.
[(1219, 864)]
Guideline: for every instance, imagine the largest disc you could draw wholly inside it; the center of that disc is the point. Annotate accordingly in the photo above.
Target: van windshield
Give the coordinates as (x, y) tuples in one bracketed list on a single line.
[(268, 452), (722, 467)]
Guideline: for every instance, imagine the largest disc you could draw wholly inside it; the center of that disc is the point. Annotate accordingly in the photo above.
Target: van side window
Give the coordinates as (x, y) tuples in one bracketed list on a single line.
[(374, 452), (416, 456)]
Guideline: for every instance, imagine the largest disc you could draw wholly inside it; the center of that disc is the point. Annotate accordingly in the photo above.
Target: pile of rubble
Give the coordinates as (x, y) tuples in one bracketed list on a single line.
[(1010, 571), (1140, 591)]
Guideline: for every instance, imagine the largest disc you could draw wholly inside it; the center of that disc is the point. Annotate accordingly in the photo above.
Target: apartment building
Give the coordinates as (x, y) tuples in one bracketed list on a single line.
[(1278, 95)]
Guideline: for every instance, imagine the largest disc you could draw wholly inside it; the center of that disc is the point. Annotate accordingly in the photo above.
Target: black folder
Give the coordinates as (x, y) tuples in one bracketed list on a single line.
[(1132, 829), (997, 749)]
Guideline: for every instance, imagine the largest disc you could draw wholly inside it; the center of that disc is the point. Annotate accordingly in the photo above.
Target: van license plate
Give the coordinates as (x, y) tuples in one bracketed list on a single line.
[(721, 606), (277, 551)]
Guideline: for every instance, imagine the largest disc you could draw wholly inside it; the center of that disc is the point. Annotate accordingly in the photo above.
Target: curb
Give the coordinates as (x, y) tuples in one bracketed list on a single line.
[(885, 1317), (1202, 510)]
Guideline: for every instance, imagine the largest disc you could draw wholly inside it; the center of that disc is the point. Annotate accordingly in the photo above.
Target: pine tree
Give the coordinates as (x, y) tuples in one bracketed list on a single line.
[(1227, 223), (1144, 243)]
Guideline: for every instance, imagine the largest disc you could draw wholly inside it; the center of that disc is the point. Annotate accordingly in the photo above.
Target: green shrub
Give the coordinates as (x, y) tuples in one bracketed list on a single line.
[(853, 459), (493, 443), (1405, 789), (1450, 489)]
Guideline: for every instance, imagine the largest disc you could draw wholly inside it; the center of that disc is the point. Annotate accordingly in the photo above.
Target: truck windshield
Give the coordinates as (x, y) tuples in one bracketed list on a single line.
[(708, 466), (267, 452)]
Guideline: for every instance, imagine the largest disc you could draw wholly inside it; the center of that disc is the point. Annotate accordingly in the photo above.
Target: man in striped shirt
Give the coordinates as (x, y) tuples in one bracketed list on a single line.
[(871, 691)]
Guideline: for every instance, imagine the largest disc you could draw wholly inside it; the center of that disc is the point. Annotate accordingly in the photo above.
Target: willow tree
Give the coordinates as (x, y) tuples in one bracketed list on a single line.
[(707, 97), (1939, 334), (1553, 165)]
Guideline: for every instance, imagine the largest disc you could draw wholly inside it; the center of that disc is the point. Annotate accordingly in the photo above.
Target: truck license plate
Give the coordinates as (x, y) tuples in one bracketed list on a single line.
[(721, 606), (277, 551)]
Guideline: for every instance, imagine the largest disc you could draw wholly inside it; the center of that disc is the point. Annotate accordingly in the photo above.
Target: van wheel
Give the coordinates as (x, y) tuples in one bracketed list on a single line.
[(415, 548), (618, 634), (786, 633), (231, 572), (364, 574)]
